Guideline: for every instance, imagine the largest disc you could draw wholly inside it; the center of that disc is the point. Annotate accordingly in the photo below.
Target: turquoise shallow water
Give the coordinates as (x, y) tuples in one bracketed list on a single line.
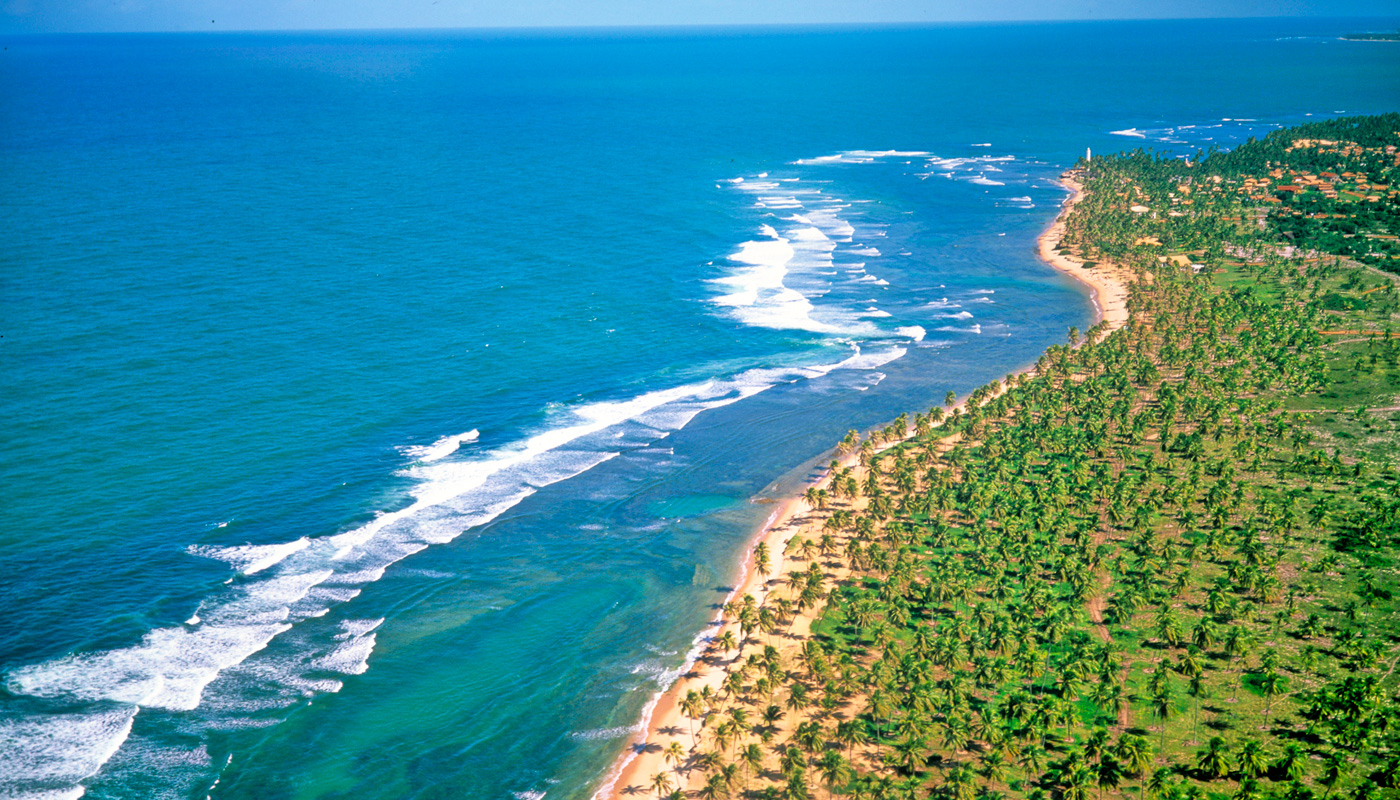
[(386, 411)]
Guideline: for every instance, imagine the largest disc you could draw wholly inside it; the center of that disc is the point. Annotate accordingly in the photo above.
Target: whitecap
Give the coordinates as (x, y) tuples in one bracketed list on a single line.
[(252, 558), (861, 157), (914, 332), (442, 448)]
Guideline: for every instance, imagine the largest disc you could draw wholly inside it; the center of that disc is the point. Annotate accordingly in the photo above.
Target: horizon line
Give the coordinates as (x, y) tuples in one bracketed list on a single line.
[(681, 26)]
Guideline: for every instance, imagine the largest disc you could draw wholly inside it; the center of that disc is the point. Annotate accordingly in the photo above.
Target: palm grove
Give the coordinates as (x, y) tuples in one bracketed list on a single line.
[(1154, 567)]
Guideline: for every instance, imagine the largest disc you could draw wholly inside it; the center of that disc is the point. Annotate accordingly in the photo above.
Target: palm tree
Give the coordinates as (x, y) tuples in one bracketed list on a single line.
[(1160, 780), (791, 759), (714, 788), (834, 769), (994, 766), (961, 783), (850, 733), (674, 754), (1214, 761), (1163, 708), (727, 642), (809, 735), (1197, 689), (661, 782), (1333, 770), (1272, 685), (1135, 753), (693, 706), (1032, 760), (1253, 760), (752, 757), (1236, 647), (1108, 773), (1293, 762)]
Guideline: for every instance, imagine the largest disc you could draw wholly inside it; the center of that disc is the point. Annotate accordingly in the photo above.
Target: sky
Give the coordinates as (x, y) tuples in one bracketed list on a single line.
[(47, 16)]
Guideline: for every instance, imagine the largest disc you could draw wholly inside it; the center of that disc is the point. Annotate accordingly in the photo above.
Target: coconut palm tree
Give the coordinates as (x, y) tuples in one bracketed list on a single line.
[(674, 754), (751, 755), (834, 770), (693, 706), (850, 733), (1253, 760), (1163, 708), (1214, 761), (1292, 762), (661, 782)]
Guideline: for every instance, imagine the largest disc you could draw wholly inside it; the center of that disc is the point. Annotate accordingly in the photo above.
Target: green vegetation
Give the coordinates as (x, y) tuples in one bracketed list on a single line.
[(1165, 565), (1322, 188)]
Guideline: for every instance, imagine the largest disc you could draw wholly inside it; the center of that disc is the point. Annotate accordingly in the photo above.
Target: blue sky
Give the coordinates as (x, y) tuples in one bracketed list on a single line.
[(186, 15)]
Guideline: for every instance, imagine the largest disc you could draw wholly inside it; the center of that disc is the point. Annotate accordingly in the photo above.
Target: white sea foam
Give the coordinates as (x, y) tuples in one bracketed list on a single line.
[(982, 180), (616, 732), (756, 290), (171, 666), (47, 755), (442, 448), (860, 157), (872, 360), (1134, 132), (865, 251), (914, 332), (351, 656), (250, 559)]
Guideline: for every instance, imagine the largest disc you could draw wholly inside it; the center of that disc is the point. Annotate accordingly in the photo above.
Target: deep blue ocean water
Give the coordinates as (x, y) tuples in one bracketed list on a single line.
[(386, 412)]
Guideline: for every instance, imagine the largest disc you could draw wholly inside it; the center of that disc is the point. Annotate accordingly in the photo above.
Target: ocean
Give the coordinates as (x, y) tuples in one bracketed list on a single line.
[(388, 412)]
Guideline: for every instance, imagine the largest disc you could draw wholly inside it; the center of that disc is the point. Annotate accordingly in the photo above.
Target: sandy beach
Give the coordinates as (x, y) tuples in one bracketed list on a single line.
[(647, 755), (1108, 281)]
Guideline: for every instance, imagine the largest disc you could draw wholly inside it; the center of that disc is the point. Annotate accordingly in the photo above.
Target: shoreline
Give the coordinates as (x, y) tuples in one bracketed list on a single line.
[(663, 720), (1108, 283)]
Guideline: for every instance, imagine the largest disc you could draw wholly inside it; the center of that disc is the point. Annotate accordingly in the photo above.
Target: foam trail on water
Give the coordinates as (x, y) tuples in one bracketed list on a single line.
[(250, 559), (861, 156), (442, 448)]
